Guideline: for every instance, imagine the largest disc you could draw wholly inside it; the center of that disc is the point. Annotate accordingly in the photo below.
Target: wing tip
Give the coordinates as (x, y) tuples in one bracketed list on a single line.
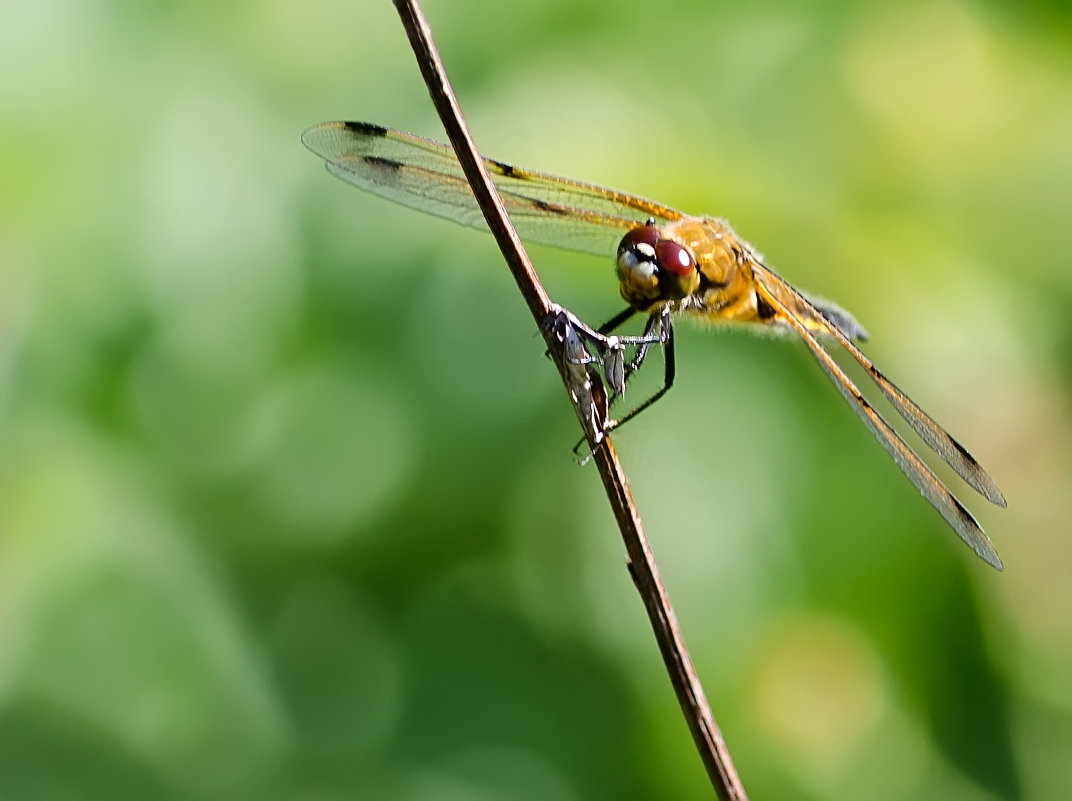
[(991, 558), (968, 529), (985, 486), (311, 136), (976, 476), (995, 496)]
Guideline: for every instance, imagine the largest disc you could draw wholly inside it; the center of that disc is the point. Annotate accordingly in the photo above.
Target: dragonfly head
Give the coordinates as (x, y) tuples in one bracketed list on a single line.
[(652, 268)]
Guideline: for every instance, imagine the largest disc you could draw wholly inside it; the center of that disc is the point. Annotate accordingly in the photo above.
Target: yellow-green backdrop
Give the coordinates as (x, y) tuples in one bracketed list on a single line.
[(287, 505)]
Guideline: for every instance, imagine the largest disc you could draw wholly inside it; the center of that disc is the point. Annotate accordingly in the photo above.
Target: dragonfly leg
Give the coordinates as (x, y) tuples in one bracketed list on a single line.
[(609, 349), (655, 333), (580, 341), (617, 321), (660, 321), (667, 336)]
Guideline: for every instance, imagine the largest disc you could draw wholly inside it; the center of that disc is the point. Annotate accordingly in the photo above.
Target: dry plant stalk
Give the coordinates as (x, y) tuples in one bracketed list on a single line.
[(642, 568)]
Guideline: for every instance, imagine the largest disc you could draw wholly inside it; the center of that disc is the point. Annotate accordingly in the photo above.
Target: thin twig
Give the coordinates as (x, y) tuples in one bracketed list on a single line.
[(642, 567)]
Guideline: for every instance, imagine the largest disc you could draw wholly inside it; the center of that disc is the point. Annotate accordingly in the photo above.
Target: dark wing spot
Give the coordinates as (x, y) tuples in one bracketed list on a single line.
[(550, 208), (366, 128), (965, 516), (502, 168), (970, 459), (380, 161)]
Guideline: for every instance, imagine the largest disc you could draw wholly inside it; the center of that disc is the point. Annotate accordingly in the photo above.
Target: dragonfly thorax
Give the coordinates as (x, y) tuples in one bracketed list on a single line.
[(653, 268)]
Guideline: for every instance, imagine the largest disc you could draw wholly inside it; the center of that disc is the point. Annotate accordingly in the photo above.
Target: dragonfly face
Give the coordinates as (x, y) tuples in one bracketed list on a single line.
[(652, 268), (667, 262)]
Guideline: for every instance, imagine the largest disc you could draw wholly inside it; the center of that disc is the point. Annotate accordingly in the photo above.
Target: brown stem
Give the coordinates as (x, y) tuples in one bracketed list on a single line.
[(705, 732)]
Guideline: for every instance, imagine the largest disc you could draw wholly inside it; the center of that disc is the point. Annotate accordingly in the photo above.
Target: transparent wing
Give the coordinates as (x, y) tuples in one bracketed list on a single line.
[(425, 175), (797, 312)]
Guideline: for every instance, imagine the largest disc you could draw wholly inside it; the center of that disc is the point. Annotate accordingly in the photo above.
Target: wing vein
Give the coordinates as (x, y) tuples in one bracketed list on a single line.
[(425, 175), (937, 438), (924, 479)]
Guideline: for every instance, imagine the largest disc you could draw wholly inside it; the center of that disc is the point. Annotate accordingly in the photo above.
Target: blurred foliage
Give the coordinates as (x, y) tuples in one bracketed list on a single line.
[(287, 508)]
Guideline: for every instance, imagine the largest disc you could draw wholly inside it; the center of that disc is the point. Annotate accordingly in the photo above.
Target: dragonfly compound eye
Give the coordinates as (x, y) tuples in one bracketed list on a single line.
[(674, 258), (678, 276), (636, 253)]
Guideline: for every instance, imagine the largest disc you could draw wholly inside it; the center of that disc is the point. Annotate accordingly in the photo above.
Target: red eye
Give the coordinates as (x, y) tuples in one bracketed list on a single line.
[(643, 235), (674, 258)]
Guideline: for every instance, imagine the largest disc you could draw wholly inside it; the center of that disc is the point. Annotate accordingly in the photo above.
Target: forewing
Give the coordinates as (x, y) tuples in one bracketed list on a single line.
[(425, 175), (793, 308)]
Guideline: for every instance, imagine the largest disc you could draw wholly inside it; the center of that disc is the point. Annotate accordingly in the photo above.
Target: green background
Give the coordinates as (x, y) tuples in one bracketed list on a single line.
[(287, 505)]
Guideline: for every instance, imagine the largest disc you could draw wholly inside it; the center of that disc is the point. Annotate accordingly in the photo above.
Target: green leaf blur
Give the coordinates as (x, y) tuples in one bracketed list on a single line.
[(287, 504)]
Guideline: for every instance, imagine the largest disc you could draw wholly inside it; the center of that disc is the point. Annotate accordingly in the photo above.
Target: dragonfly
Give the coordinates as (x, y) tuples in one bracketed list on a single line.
[(668, 263)]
